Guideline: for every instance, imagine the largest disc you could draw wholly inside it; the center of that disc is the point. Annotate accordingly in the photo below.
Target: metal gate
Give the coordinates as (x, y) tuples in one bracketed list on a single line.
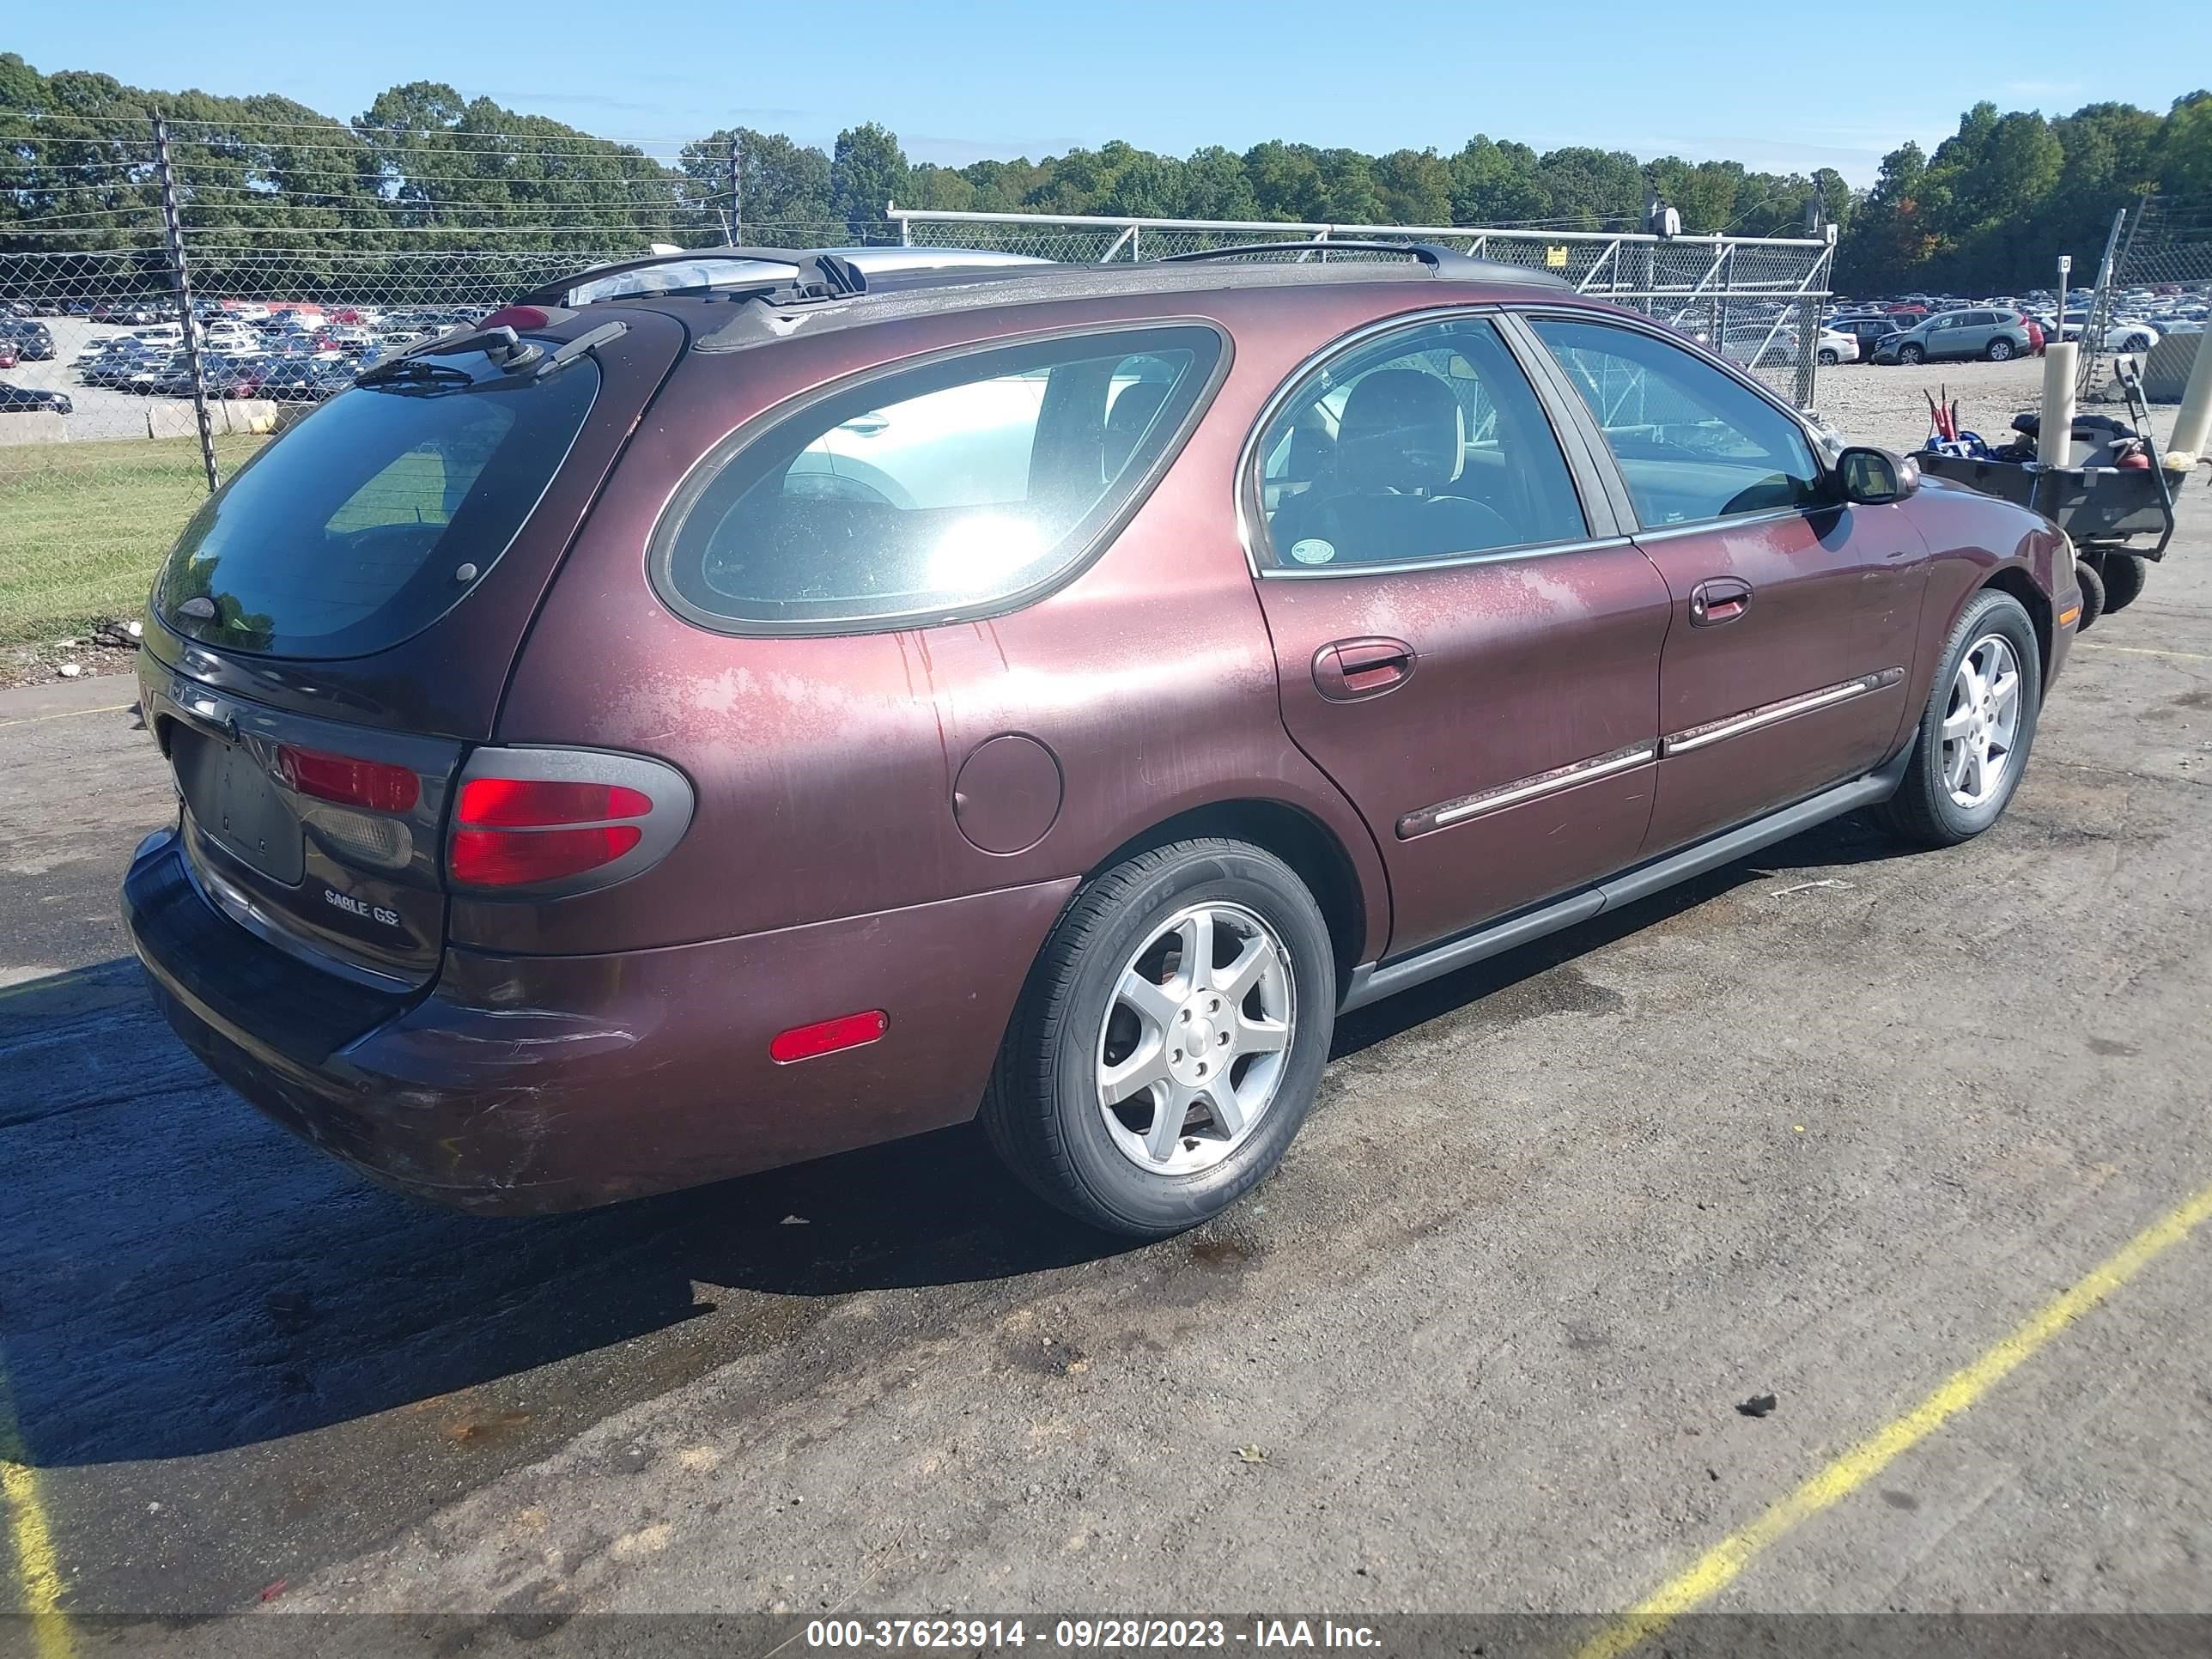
[(1745, 295)]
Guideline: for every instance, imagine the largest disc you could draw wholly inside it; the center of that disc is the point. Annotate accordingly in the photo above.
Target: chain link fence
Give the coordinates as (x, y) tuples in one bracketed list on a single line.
[(2152, 298), (1742, 295), (174, 292)]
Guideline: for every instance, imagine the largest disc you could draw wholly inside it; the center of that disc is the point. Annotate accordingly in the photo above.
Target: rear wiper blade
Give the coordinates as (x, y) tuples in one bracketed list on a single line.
[(412, 369), (562, 355)]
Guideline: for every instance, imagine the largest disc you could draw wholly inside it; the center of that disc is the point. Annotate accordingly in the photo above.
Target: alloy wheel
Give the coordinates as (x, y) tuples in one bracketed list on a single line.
[(1981, 724), (1196, 1039)]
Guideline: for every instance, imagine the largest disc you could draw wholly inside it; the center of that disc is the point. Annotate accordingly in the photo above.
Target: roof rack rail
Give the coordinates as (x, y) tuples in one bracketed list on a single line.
[(802, 273), (1443, 261)]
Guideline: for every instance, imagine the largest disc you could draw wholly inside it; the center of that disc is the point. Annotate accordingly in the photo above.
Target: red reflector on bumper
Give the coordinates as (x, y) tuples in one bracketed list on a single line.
[(827, 1037)]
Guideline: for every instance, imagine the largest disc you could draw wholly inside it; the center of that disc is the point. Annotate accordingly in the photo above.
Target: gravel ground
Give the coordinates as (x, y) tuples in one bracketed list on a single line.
[(1877, 404)]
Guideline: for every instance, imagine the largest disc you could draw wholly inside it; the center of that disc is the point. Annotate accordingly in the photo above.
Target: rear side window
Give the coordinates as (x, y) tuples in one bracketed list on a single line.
[(934, 490), (348, 534), (1424, 444)]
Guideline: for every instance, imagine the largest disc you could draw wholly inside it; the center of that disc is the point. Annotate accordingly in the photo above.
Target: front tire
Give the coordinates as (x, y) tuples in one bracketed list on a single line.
[(1170, 1041), (1975, 735), (1911, 356)]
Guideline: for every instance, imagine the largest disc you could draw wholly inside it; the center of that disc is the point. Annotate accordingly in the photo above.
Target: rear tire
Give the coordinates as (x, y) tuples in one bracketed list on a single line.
[(1911, 356), (1085, 1031), (2092, 583), (1829, 358), (1974, 736), (2001, 351), (2124, 575)]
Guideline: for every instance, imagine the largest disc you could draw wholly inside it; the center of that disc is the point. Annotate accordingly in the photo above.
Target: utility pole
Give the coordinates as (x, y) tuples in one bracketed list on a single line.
[(737, 205), (172, 226)]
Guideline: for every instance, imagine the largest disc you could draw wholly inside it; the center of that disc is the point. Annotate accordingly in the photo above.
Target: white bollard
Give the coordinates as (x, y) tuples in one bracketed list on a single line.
[(2054, 436), (2192, 425)]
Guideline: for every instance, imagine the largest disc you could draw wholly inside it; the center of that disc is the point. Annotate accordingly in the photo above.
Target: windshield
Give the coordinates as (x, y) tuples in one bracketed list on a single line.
[(372, 517)]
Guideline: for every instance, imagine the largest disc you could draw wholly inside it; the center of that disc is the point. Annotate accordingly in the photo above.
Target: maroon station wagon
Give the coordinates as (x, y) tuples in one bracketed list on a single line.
[(731, 708)]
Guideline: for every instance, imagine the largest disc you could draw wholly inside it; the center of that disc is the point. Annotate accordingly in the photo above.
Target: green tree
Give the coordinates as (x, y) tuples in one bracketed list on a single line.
[(868, 173), (1414, 187)]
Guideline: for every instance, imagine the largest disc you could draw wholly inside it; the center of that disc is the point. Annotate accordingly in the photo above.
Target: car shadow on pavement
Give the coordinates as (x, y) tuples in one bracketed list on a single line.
[(185, 1277)]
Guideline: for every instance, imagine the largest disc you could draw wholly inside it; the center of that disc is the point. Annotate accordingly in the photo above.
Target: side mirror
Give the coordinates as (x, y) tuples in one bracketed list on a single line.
[(1874, 478)]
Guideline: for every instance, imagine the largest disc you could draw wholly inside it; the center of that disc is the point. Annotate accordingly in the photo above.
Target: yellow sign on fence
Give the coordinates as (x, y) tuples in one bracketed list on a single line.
[(1555, 259)]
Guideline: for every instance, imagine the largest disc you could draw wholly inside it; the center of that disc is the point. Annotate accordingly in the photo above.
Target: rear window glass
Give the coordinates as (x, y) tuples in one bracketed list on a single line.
[(345, 535), (931, 492)]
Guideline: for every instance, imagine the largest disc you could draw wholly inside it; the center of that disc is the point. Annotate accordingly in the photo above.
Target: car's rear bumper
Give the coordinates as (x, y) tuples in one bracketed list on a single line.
[(527, 1084)]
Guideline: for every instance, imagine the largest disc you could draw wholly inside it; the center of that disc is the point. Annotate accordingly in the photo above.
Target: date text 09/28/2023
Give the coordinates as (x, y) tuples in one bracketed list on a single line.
[(1281, 1634)]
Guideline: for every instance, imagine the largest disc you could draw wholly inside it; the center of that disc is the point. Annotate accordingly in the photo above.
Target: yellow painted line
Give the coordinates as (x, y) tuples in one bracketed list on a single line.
[(1721, 1565), (69, 715), (37, 1573), (2141, 650)]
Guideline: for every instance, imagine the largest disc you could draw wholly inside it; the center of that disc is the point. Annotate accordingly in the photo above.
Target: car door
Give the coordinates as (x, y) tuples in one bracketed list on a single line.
[(1465, 641), (1795, 614)]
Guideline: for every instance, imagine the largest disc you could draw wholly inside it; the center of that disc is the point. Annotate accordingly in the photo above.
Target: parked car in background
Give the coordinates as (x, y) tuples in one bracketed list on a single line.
[(1967, 332), (156, 372), (2120, 334), (8, 353), (1760, 345), (221, 374), (304, 379), (32, 400), (1485, 606), (114, 363), (1866, 330), (34, 341)]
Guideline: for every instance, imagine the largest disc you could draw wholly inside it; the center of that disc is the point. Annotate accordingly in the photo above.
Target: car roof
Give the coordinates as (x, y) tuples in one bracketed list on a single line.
[(937, 282)]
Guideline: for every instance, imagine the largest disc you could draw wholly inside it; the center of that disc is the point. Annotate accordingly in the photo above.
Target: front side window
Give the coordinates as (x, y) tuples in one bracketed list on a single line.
[(930, 491), (1692, 441), (1425, 444)]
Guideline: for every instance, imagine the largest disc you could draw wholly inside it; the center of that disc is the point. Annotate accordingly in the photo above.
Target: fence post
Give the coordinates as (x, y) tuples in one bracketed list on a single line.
[(738, 202), (180, 280)]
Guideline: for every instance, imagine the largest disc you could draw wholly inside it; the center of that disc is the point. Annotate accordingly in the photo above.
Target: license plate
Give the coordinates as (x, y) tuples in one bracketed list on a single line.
[(235, 805)]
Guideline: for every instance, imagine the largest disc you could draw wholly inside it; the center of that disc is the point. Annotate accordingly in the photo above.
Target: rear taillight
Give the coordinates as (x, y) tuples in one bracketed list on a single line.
[(512, 858), (376, 785), (559, 821)]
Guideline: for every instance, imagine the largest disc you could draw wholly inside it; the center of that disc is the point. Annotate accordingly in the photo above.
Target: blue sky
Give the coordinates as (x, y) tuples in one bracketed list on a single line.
[(958, 79)]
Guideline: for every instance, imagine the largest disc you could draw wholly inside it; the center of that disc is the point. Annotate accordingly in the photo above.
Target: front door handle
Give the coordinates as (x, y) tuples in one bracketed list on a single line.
[(1718, 599), (1349, 669)]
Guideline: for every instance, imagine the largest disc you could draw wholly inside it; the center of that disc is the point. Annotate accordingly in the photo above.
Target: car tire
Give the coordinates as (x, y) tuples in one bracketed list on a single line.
[(2000, 350), (1946, 797), (2122, 576), (2091, 580), (1911, 356), (1045, 1111), (1829, 359)]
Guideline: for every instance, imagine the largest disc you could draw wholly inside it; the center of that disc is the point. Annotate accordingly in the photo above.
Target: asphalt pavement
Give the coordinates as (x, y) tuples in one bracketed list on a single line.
[(1836, 1125)]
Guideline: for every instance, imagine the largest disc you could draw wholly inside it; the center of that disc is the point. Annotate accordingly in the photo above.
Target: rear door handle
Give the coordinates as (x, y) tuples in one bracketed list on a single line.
[(1346, 671), (1718, 599)]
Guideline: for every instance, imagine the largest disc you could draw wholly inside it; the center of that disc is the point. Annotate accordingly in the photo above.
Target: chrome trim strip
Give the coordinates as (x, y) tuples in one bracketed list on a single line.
[(1459, 811), (1440, 561), (1752, 720), (1660, 532)]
